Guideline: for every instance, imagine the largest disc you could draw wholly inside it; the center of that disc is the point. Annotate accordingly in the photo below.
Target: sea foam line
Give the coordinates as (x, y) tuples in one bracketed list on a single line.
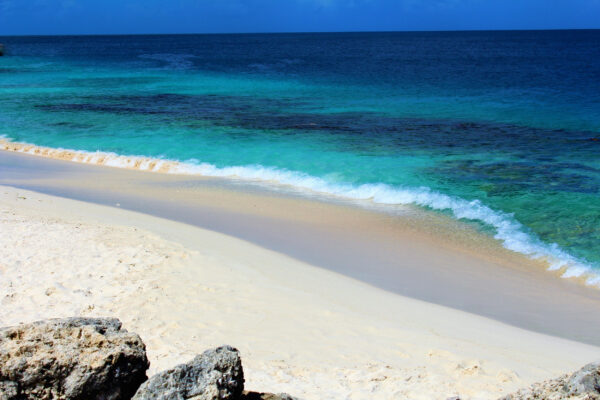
[(509, 231)]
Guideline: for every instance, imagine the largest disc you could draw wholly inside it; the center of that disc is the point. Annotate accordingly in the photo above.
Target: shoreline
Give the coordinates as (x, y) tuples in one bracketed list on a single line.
[(300, 328), (404, 254), (509, 232)]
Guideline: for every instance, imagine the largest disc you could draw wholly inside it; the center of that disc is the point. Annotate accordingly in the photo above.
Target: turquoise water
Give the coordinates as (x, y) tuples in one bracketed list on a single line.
[(501, 128)]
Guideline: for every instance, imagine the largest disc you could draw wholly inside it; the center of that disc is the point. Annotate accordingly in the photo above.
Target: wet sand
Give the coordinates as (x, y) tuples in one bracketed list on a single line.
[(409, 252)]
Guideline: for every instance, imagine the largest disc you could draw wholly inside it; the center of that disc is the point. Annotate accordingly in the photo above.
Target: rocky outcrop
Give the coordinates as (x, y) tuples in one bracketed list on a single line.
[(584, 384), (585, 381), (94, 359), (73, 358), (215, 374)]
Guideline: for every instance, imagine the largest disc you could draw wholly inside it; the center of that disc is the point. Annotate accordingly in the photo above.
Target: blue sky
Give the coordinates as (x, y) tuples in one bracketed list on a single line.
[(20, 17)]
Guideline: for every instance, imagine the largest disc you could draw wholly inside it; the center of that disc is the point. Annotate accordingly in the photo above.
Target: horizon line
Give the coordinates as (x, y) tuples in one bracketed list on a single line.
[(296, 32)]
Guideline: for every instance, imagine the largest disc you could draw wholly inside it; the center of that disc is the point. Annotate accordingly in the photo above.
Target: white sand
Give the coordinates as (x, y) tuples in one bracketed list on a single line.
[(302, 330)]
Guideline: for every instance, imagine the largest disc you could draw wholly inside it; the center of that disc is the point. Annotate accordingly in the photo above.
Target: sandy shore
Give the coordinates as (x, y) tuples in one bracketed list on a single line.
[(301, 329), (408, 252)]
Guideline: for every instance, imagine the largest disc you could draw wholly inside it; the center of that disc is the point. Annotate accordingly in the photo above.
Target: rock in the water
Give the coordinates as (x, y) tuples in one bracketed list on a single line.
[(213, 375), (581, 385), (72, 358), (266, 396)]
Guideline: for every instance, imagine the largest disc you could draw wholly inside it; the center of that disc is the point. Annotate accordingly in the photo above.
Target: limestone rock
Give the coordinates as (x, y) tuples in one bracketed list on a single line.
[(73, 358), (584, 381), (266, 396), (581, 385), (213, 375)]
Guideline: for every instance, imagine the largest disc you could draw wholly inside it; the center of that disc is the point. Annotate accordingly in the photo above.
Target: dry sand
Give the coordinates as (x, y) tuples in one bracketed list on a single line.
[(301, 329)]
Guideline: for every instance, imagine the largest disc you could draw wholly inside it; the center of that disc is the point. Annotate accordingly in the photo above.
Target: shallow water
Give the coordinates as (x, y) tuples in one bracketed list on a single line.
[(502, 128)]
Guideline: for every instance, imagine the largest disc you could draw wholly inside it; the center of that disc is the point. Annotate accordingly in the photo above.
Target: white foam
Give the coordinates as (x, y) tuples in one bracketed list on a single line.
[(512, 234)]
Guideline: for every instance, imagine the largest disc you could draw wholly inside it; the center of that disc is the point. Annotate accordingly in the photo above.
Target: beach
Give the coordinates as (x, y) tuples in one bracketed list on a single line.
[(303, 329), (364, 215)]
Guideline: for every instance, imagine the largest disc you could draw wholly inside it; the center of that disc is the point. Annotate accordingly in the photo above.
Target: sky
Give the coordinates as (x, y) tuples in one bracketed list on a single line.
[(55, 17)]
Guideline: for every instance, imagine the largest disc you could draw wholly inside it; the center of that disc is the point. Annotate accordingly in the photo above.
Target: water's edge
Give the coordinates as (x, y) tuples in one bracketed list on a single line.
[(509, 232)]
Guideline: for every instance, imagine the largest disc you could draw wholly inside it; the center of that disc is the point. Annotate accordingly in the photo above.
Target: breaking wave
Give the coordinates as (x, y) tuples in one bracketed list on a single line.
[(512, 234)]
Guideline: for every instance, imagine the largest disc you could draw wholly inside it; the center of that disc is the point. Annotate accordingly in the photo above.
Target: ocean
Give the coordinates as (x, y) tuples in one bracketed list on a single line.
[(501, 129)]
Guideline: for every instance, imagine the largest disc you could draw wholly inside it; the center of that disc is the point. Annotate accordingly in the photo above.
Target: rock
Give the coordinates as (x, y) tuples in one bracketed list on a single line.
[(581, 385), (266, 396), (213, 375), (72, 358), (584, 381)]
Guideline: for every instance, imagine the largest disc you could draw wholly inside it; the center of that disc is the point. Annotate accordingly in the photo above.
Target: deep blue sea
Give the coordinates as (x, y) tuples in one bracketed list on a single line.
[(498, 128)]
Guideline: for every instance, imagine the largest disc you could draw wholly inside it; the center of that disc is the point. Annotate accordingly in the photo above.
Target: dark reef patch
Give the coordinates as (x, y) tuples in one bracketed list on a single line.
[(505, 177), (285, 116), (111, 82), (71, 125)]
